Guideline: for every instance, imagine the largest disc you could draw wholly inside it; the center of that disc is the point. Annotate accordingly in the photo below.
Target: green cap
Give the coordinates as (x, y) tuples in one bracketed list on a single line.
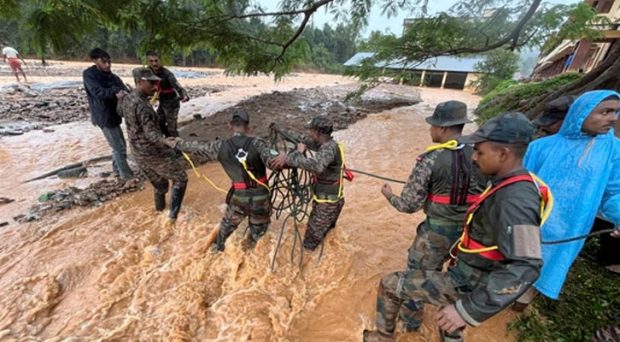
[(322, 124), (144, 74), (449, 113), (241, 114), (510, 128)]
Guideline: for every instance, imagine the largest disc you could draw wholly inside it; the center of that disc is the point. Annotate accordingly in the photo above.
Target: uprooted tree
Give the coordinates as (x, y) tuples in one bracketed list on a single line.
[(229, 28)]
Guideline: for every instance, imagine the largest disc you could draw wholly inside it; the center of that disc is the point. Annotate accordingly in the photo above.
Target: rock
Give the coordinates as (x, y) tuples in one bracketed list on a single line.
[(197, 116)]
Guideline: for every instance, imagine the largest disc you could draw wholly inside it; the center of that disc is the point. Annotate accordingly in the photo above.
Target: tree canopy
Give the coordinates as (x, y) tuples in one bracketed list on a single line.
[(245, 38)]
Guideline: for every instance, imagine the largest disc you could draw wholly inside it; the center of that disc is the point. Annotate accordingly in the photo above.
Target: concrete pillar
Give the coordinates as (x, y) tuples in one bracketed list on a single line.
[(443, 80), (422, 78)]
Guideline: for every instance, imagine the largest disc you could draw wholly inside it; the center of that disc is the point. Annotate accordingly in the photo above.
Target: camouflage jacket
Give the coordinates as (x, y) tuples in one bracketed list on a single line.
[(145, 136), (510, 219), (436, 173), (169, 87), (326, 164)]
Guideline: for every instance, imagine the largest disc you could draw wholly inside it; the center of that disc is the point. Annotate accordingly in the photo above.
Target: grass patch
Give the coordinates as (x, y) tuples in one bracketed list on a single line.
[(509, 95), (589, 301)]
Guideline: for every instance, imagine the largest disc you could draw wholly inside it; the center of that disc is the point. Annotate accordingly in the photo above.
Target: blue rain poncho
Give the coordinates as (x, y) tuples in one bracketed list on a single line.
[(583, 173)]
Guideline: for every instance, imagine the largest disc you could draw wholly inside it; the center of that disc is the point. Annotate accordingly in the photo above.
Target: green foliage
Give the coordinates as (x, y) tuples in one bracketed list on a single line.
[(590, 300), (499, 65), (509, 96)]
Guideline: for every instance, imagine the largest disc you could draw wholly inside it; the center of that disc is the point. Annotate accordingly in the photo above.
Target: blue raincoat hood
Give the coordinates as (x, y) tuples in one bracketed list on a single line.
[(583, 173)]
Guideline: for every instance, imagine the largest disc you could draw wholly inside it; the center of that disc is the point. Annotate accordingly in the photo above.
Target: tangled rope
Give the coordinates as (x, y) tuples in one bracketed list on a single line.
[(291, 196)]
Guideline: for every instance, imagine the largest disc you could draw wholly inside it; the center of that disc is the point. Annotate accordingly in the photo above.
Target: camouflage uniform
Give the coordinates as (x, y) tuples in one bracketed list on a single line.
[(170, 91), (326, 164), (483, 280), (446, 173), (478, 287), (158, 161), (246, 198)]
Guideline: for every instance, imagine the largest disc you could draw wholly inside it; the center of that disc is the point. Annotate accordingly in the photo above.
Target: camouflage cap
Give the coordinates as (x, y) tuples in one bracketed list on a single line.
[(241, 115), (144, 74), (449, 113), (555, 110), (322, 124), (511, 128)]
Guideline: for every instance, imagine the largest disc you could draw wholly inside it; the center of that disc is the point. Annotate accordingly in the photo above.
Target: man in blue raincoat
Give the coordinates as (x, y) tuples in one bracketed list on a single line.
[(581, 165)]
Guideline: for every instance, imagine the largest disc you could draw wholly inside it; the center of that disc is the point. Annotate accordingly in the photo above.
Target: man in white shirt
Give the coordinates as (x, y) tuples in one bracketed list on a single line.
[(12, 57)]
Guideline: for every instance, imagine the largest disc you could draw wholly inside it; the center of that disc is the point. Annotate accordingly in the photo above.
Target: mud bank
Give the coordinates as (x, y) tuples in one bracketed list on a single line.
[(289, 109)]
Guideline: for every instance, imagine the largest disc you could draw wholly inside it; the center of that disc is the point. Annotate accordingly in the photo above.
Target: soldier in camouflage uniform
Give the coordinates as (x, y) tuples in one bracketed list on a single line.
[(155, 158), (499, 255), (443, 183), (327, 166), (243, 158), (170, 94)]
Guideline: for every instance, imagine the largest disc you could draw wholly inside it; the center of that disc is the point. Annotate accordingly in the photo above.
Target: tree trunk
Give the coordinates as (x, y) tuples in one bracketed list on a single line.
[(603, 76)]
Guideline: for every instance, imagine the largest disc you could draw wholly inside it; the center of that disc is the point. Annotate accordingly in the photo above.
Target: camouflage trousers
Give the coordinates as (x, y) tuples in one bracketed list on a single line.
[(429, 251), (168, 114), (434, 287), (161, 170), (256, 207), (323, 218)]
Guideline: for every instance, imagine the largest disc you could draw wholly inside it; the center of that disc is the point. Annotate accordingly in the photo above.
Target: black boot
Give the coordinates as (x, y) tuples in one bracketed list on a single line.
[(160, 201), (176, 198)]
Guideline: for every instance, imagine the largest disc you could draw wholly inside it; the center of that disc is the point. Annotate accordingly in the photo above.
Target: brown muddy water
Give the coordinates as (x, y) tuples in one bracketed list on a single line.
[(116, 273)]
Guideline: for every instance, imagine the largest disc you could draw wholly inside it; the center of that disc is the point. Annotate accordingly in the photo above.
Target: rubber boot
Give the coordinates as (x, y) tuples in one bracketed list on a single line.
[(377, 336), (160, 201), (456, 336), (176, 198)]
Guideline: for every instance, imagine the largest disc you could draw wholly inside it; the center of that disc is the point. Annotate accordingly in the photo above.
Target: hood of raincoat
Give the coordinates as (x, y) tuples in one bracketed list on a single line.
[(579, 111), (582, 172)]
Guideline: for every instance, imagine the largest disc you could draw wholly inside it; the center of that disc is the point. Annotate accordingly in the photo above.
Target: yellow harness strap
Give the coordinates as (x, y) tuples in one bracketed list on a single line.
[(545, 211), (341, 181), (252, 176)]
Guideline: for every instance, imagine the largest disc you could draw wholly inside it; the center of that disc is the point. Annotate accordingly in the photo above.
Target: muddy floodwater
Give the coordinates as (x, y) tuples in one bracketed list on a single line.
[(116, 273)]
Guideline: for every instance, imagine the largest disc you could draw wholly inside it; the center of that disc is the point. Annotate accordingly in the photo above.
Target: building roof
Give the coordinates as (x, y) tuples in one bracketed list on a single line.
[(441, 63)]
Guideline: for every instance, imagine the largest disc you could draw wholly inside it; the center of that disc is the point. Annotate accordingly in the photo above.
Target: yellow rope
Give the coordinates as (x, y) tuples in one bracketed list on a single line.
[(341, 184), (450, 145), (199, 175)]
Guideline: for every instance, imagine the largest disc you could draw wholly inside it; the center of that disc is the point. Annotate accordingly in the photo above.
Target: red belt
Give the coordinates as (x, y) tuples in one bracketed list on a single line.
[(243, 185), (445, 199), (166, 91)]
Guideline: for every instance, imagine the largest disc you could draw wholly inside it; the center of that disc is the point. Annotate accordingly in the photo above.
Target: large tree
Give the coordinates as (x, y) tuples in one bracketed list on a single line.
[(226, 26)]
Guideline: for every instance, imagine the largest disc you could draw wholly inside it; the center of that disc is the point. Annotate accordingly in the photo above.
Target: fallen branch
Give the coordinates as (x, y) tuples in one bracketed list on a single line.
[(70, 166)]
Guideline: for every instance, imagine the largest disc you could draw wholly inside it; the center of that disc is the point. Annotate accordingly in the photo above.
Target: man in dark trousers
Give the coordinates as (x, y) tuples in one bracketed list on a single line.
[(170, 95), (444, 183), (243, 158), (499, 255), (104, 89), (157, 160)]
